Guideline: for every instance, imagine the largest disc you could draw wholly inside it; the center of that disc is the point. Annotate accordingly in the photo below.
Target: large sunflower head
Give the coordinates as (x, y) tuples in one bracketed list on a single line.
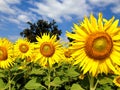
[(48, 49), (96, 44), (23, 48), (6, 53)]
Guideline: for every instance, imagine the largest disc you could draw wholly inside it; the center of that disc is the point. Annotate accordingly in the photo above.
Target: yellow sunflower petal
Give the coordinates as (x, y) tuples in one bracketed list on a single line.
[(87, 65), (94, 67), (115, 57), (113, 27), (105, 20), (91, 28), (111, 66), (116, 37), (77, 46), (74, 36), (100, 22), (78, 30), (84, 27), (116, 43), (94, 22), (78, 53), (117, 48), (50, 62), (79, 59), (108, 23), (103, 67)]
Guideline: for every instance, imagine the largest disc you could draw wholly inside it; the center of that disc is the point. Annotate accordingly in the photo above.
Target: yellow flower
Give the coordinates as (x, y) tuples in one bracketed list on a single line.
[(116, 81), (67, 56), (49, 50), (23, 48), (96, 44), (31, 58), (6, 53)]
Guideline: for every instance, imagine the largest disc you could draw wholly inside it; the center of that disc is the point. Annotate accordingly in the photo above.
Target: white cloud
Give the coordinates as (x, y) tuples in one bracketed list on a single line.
[(12, 14), (13, 20), (116, 9), (64, 38), (103, 3), (5, 7), (13, 1), (23, 18), (13, 38), (65, 9)]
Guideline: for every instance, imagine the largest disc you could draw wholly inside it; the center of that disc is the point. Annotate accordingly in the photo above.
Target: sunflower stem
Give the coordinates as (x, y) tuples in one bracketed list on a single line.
[(49, 72), (93, 85), (9, 80)]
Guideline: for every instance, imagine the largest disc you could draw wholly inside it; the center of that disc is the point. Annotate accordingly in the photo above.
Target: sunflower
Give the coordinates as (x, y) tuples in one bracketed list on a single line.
[(116, 81), (23, 48), (96, 44), (6, 53), (32, 57), (49, 50), (67, 55)]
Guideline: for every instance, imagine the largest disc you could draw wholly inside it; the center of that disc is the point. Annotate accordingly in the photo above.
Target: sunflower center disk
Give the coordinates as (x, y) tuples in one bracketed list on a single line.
[(23, 48), (3, 53), (47, 49), (67, 54), (98, 45)]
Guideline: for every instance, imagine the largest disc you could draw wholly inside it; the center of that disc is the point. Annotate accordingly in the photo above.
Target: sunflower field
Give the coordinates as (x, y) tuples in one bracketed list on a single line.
[(91, 61)]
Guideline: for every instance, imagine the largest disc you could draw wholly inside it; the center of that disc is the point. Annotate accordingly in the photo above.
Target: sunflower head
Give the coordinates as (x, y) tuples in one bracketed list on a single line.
[(23, 48), (96, 45), (68, 56), (67, 53), (6, 53), (48, 49)]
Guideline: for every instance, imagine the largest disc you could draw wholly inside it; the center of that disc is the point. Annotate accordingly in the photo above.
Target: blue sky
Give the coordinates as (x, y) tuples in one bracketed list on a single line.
[(15, 13)]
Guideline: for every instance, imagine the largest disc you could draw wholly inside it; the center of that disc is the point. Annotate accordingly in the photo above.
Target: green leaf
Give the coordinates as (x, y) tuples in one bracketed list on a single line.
[(2, 84), (32, 84), (76, 87), (106, 80), (37, 71), (107, 87), (56, 82), (72, 73), (2, 75)]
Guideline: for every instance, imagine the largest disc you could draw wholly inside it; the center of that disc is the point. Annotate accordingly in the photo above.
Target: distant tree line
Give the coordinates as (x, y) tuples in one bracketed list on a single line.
[(37, 29)]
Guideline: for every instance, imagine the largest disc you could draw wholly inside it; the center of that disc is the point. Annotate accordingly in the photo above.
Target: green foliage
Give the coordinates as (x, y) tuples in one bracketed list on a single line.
[(2, 84), (76, 87), (61, 76), (56, 82), (72, 73), (33, 84)]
